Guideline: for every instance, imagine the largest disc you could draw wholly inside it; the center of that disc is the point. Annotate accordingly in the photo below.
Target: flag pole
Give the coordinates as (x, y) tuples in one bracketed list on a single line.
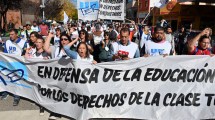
[(98, 11), (147, 15)]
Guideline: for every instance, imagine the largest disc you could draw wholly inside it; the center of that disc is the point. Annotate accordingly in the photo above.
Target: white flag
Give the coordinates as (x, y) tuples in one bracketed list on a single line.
[(158, 3), (66, 18)]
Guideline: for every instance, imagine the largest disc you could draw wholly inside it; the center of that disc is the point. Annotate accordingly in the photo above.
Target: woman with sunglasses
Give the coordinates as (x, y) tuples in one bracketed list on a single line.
[(105, 47), (82, 52), (56, 51)]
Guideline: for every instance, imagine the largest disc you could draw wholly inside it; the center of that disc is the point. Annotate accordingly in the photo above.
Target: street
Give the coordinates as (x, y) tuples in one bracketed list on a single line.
[(26, 110)]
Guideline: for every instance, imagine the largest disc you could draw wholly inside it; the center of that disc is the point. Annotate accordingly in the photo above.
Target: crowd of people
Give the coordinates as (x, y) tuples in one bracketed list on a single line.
[(97, 42)]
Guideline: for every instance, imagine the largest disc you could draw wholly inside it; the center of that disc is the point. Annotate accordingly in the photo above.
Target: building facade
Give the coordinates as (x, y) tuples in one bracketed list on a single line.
[(137, 10), (178, 14), (29, 12)]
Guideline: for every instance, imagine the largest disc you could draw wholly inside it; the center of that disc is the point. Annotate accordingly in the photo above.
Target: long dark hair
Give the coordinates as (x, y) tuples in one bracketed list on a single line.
[(36, 35), (66, 35), (87, 50), (86, 34)]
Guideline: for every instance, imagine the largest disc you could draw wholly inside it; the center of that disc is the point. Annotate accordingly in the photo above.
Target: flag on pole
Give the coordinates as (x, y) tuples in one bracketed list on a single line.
[(158, 3), (66, 18)]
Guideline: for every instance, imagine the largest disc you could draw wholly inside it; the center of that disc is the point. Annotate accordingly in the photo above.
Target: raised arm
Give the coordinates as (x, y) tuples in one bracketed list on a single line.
[(73, 42), (192, 43), (72, 54), (47, 47)]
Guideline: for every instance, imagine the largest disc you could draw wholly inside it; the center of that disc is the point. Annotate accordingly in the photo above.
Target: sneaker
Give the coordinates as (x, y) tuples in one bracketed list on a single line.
[(4, 96), (52, 117), (42, 112), (15, 102)]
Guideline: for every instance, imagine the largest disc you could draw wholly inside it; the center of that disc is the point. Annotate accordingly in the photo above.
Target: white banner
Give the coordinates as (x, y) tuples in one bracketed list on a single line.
[(162, 88), (88, 9), (158, 3), (65, 18), (112, 9)]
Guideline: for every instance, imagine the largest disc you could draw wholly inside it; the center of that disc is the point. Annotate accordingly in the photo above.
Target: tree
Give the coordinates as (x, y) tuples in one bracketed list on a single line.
[(31, 7), (70, 9), (5, 5), (54, 9)]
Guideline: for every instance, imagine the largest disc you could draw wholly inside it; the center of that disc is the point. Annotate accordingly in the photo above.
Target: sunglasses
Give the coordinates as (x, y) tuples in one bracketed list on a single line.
[(82, 33), (64, 39), (28, 25), (106, 35)]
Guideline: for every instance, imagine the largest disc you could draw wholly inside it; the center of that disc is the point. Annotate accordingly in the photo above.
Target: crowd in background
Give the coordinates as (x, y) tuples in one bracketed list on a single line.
[(100, 41)]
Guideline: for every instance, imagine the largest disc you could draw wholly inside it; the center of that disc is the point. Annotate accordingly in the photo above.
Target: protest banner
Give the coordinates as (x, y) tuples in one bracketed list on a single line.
[(158, 3), (88, 9), (163, 88), (112, 9)]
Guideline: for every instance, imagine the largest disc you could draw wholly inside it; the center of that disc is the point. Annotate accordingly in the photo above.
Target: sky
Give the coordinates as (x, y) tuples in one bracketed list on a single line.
[(74, 2)]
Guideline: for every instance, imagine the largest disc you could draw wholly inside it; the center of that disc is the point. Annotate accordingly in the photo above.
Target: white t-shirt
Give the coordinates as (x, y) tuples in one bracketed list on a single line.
[(36, 28), (55, 52), (15, 48), (155, 49), (23, 35), (131, 48), (59, 54), (40, 55), (75, 34), (56, 41), (98, 39), (90, 59), (144, 39)]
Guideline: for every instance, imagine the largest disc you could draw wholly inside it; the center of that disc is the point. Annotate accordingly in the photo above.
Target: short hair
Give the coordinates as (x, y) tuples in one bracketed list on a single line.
[(106, 33), (88, 28), (111, 26), (36, 34), (83, 24), (98, 26), (14, 30), (58, 29), (73, 25), (168, 27), (159, 29), (125, 30), (41, 37), (203, 37)]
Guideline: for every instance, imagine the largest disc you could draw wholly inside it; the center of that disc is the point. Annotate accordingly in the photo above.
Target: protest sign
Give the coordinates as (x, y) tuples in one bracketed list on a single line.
[(170, 88), (88, 9), (112, 9)]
